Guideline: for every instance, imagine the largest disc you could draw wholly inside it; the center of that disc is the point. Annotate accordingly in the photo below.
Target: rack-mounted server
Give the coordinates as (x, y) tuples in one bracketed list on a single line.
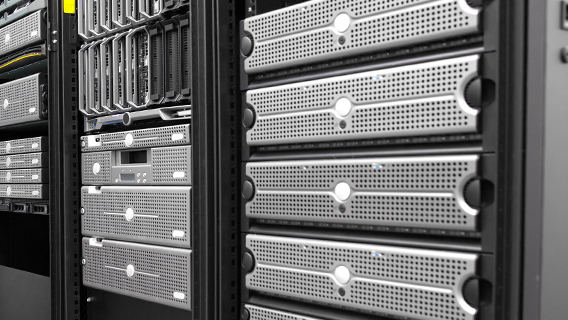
[(20, 146), (23, 191), (23, 100), (23, 176), (142, 138), (152, 166), (442, 195), (385, 280), (155, 215), (27, 31), (157, 274), (325, 31), (26, 160), (440, 97)]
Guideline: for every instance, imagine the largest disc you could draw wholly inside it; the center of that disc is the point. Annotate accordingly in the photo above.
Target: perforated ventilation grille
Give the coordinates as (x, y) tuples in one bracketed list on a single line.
[(107, 79), (23, 176), (156, 50), (19, 101), (393, 280), (171, 165), (106, 14), (259, 313), (22, 146), (159, 272), (398, 192), (432, 211), (94, 22), (138, 83), (185, 51), (172, 59), (22, 32), (95, 62), (28, 160), (119, 71), (423, 99), (157, 213), (379, 174), (313, 40), (23, 191), (103, 159), (145, 138), (316, 14)]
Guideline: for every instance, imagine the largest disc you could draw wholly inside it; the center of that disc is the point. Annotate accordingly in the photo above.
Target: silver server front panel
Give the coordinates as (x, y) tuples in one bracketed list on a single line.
[(151, 166), (422, 192), (158, 215), (25, 160), (22, 33), (22, 176), (20, 100), (24, 191), (153, 273), (326, 29), (414, 100), (261, 313), (143, 138), (23, 145), (394, 281)]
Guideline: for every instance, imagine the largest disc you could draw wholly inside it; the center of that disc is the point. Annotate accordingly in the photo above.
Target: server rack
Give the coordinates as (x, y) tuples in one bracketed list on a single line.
[(378, 143), (28, 197), (172, 85), (137, 164), (486, 213)]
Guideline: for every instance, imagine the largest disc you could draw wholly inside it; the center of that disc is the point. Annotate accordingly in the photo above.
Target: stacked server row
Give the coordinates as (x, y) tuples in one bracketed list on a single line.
[(135, 70), (24, 160), (349, 152), (24, 175), (135, 210)]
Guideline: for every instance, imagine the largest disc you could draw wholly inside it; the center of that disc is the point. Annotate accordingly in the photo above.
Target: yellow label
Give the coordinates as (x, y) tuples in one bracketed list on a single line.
[(69, 6)]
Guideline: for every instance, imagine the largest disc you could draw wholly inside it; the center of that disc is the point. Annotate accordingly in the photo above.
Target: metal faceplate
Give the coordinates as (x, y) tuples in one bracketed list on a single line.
[(153, 273), (23, 176), (20, 33), (157, 166), (260, 313), (158, 215), (23, 191), (397, 281), (26, 160), (422, 99), (326, 29), (20, 100), (423, 192), (144, 138), (22, 146)]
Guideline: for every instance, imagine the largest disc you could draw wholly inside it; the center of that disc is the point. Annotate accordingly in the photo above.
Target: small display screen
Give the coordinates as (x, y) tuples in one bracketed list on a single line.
[(127, 177)]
